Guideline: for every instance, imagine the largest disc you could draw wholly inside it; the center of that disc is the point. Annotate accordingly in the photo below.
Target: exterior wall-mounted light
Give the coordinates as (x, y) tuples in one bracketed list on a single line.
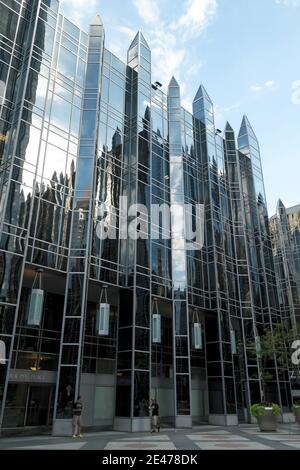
[(257, 344), (3, 359), (257, 341), (156, 324), (197, 342), (156, 85), (35, 304), (102, 314), (233, 341)]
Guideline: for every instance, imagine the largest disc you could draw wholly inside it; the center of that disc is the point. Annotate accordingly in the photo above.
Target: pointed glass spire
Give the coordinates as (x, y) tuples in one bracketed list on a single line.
[(229, 136), (281, 209), (203, 105), (202, 93), (137, 49), (228, 127), (173, 82), (247, 140), (281, 213), (246, 128), (96, 27), (139, 38), (97, 21), (174, 89)]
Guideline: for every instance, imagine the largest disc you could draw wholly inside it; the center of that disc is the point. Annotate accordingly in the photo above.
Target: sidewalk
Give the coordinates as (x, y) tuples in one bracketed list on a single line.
[(243, 437)]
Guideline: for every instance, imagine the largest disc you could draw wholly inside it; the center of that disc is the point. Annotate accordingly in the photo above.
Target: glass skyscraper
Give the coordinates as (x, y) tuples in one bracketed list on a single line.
[(285, 233), (80, 128)]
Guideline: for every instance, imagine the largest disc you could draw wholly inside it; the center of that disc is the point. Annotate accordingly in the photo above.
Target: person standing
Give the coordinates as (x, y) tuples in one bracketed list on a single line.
[(76, 422), (154, 407)]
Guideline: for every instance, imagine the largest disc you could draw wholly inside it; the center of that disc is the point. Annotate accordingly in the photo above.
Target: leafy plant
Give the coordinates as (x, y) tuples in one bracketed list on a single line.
[(276, 342), (274, 347), (259, 409), (295, 407)]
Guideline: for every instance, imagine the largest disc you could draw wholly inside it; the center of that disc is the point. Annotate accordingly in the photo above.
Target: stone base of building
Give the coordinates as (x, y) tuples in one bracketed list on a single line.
[(62, 427), (223, 420), (26, 431), (132, 424), (287, 418), (183, 422)]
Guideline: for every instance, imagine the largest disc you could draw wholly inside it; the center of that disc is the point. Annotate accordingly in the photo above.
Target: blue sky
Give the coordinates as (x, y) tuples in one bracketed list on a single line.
[(245, 52)]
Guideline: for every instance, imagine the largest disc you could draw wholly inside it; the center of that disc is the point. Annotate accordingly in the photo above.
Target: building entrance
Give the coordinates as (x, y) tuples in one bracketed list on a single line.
[(28, 405)]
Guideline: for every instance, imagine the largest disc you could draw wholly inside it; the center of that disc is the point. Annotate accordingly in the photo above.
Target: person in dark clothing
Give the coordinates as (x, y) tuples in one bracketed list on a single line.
[(76, 422), (154, 408)]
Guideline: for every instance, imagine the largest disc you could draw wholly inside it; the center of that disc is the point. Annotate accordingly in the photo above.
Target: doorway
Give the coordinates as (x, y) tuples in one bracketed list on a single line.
[(28, 405), (39, 406)]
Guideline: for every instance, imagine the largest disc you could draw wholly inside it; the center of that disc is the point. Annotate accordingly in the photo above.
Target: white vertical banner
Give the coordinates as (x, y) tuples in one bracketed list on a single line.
[(3, 359)]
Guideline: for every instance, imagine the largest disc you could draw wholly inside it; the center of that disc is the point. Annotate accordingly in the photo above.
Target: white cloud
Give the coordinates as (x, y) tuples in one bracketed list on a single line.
[(233, 107), (256, 88), (171, 54), (196, 18), (221, 113), (169, 42), (148, 10), (76, 10), (130, 33), (288, 3), (289, 204), (193, 70), (115, 48), (187, 103), (269, 84), (296, 92), (167, 54)]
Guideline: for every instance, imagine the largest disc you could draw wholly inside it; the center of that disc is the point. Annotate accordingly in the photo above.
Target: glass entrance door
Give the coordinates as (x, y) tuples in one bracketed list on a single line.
[(28, 405), (38, 407), (15, 406)]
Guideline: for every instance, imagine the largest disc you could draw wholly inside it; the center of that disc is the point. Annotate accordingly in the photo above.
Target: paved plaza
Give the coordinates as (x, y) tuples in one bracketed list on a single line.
[(243, 437)]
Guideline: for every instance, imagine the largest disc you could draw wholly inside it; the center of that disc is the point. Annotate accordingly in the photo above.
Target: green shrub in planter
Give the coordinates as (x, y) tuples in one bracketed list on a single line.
[(295, 408), (266, 415), (259, 409)]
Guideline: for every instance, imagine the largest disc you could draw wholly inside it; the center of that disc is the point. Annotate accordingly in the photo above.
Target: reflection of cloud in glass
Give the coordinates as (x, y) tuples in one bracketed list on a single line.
[(176, 177), (27, 180), (178, 267), (84, 176), (67, 64), (32, 146), (178, 243), (61, 113), (55, 161), (177, 217), (42, 87)]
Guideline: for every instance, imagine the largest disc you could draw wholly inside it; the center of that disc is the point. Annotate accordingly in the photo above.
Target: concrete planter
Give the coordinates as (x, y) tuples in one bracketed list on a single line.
[(297, 415), (268, 422)]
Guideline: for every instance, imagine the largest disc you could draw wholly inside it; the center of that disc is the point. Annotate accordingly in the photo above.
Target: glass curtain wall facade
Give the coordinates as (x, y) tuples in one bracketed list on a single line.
[(285, 232), (79, 128)]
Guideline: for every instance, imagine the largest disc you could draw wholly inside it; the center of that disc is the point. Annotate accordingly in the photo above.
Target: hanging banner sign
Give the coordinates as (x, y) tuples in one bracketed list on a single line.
[(3, 359)]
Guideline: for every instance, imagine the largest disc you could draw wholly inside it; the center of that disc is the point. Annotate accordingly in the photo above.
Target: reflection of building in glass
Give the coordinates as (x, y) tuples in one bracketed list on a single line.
[(81, 129), (285, 231)]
